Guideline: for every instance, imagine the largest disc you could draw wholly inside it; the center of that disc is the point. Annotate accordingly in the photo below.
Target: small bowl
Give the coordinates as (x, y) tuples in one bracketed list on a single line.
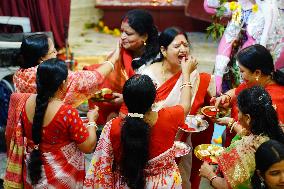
[(213, 112)]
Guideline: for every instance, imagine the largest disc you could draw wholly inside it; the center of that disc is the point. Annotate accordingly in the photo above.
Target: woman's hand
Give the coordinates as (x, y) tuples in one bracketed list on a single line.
[(93, 114), (221, 101), (225, 121), (115, 55), (188, 65), (118, 99), (206, 171)]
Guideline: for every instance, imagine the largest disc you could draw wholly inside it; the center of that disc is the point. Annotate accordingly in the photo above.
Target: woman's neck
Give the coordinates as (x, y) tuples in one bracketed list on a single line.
[(170, 68), (151, 117), (266, 80), (138, 53)]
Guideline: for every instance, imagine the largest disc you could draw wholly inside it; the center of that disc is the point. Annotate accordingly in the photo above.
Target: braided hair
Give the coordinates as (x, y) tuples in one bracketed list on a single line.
[(50, 76), (135, 131)]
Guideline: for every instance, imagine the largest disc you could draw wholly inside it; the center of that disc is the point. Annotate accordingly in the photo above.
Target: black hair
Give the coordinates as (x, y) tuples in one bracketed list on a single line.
[(33, 47), (266, 155), (142, 22), (256, 102), (167, 36), (50, 75), (139, 94), (257, 57)]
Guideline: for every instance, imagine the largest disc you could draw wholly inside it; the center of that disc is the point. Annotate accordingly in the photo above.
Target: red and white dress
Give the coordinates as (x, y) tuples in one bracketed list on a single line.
[(81, 86), (161, 170), (63, 163)]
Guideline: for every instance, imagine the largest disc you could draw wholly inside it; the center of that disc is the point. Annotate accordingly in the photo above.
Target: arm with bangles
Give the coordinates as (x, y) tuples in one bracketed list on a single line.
[(89, 144), (232, 125), (187, 67), (207, 171), (224, 100), (109, 64)]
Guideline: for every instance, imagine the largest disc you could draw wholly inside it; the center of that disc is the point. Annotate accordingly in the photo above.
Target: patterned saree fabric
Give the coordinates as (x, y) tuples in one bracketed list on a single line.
[(81, 84), (63, 163), (237, 163), (161, 170), (15, 142)]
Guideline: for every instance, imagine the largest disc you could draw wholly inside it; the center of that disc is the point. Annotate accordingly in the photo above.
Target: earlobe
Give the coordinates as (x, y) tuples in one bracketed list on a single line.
[(248, 119), (257, 73), (145, 37)]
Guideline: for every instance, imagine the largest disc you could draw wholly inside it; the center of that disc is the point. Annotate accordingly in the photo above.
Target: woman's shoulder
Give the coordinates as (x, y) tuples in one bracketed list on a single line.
[(152, 68)]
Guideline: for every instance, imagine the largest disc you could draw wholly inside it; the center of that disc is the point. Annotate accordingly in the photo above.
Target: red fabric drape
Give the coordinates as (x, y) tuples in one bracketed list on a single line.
[(45, 15)]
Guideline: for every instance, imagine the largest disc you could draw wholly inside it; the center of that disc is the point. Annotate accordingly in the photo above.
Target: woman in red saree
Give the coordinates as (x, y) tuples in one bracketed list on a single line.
[(166, 74), (257, 68), (138, 151), (81, 85), (53, 136), (138, 43)]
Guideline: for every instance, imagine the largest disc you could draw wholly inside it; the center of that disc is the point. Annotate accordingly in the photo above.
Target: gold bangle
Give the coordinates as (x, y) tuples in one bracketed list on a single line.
[(233, 125)]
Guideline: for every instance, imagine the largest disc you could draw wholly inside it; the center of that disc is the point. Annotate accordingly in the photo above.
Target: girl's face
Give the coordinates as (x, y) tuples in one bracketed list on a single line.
[(130, 39), (52, 52), (244, 120), (274, 176), (178, 49)]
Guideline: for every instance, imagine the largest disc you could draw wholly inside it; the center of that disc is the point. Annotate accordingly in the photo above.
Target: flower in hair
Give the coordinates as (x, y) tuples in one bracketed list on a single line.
[(136, 115)]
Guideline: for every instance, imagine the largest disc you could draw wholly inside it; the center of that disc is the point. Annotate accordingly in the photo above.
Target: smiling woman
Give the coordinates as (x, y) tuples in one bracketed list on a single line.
[(137, 46)]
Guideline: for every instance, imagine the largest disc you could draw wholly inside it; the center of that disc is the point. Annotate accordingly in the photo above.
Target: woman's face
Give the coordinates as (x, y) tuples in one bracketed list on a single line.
[(274, 176), (130, 39), (178, 49), (247, 75), (52, 52)]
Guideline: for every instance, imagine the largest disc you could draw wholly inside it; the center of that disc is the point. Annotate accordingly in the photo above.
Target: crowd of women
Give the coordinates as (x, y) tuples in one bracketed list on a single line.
[(146, 141)]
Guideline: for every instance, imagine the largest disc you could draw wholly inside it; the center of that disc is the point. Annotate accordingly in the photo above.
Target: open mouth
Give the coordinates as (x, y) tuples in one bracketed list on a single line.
[(181, 56)]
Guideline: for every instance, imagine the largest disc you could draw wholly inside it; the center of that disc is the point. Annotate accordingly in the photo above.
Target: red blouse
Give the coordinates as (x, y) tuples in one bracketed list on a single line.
[(65, 127), (162, 134)]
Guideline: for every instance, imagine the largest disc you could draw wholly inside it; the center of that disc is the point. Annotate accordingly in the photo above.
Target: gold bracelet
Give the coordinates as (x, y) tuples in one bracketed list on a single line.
[(233, 125), (231, 122)]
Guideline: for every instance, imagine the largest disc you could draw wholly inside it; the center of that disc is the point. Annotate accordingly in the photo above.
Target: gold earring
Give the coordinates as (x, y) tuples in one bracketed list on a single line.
[(145, 43), (256, 78)]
